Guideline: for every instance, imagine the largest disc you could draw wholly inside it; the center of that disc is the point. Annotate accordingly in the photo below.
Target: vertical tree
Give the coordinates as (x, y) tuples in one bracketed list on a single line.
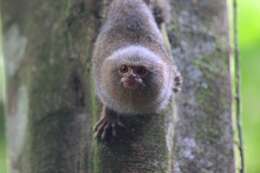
[(52, 108), (47, 49), (200, 43)]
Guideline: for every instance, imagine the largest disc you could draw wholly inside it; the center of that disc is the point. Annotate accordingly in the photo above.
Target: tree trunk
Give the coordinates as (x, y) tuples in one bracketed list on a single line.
[(200, 43), (47, 50), (51, 103)]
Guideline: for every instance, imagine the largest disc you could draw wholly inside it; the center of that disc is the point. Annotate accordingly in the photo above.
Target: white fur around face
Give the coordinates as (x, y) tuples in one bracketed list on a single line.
[(136, 50), (155, 105)]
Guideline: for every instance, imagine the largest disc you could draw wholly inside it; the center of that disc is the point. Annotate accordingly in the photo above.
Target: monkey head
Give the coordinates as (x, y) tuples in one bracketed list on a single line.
[(135, 80)]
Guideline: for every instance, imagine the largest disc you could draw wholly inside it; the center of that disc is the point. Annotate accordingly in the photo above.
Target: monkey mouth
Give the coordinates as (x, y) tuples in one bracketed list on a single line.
[(131, 83)]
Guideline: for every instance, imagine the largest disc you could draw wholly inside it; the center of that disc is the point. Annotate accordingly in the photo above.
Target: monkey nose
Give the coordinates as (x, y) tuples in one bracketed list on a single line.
[(131, 73), (132, 76)]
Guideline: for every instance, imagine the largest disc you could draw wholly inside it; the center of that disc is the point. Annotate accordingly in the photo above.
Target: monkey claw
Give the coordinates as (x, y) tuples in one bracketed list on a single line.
[(107, 126)]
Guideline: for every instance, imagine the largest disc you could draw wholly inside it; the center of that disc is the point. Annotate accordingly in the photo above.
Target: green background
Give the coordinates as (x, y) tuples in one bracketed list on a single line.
[(249, 29), (249, 36)]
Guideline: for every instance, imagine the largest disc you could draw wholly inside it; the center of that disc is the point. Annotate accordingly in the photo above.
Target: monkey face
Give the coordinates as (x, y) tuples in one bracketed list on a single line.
[(133, 77), (134, 80)]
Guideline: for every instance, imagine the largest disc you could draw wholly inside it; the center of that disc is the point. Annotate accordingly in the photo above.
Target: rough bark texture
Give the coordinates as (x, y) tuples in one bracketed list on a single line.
[(51, 101), (203, 132), (52, 107), (47, 49)]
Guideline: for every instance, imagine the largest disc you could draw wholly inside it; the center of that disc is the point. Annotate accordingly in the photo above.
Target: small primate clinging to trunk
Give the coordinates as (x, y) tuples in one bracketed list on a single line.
[(133, 70)]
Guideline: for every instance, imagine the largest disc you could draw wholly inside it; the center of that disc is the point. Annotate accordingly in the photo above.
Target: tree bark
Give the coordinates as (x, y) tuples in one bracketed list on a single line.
[(52, 107), (200, 43), (47, 50)]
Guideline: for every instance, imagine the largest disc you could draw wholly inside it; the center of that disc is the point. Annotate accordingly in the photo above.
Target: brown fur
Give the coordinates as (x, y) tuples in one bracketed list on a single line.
[(130, 23)]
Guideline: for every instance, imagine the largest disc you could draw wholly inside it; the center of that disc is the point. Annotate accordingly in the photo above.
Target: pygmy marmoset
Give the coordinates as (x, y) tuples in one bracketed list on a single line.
[(133, 71)]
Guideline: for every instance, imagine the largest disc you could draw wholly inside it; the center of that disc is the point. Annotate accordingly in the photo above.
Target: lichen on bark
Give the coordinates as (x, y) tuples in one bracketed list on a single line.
[(203, 132)]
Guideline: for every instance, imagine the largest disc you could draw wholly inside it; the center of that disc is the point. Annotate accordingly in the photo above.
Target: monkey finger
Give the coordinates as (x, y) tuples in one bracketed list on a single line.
[(178, 84), (120, 124), (100, 129), (97, 133), (114, 132), (177, 79), (99, 123), (104, 133), (176, 90), (113, 126)]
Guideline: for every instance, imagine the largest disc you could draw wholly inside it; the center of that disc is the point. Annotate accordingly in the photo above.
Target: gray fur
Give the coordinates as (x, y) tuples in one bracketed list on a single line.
[(131, 35)]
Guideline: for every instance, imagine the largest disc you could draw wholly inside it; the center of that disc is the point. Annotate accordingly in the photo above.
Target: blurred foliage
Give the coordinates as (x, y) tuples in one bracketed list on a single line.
[(2, 142), (2, 131), (249, 35)]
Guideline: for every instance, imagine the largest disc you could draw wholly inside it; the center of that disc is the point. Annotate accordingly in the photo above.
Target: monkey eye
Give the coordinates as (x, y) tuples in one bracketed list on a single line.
[(123, 69), (141, 71)]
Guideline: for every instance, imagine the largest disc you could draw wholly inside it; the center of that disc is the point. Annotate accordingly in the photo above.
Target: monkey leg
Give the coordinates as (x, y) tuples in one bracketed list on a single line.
[(108, 123)]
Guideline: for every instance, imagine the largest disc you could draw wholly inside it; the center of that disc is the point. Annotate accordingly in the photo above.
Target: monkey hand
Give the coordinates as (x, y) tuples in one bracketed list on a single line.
[(177, 83), (108, 124)]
